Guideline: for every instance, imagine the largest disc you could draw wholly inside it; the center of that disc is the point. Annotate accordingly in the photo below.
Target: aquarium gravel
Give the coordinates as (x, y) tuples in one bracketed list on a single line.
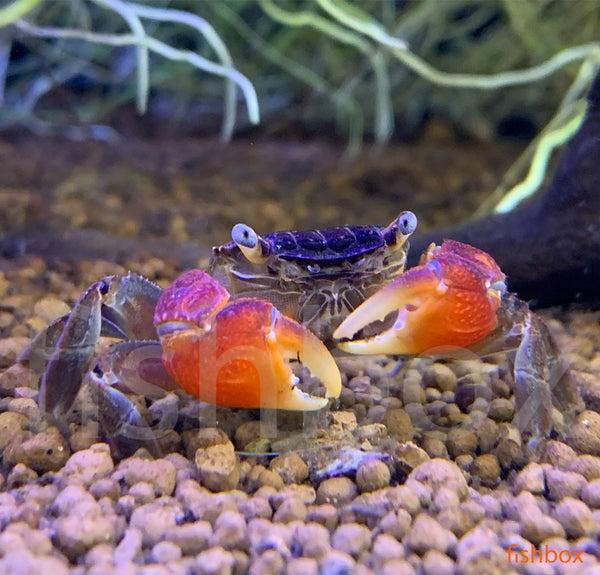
[(418, 469)]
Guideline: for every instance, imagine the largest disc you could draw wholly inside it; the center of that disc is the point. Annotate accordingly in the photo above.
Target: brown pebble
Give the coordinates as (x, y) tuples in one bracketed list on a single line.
[(256, 507), (397, 567), (229, 531), (501, 409), (105, 488), (165, 552), (399, 424), (88, 466), (161, 474), (337, 491), (557, 453), (259, 477), (302, 566), (204, 437), (10, 347), (214, 561), (396, 523), (510, 451), (386, 547), (531, 479), (12, 425), (561, 484), (456, 520), (576, 518), (461, 441), (537, 527), (486, 469), (426, 533), (590, 494), (20, 475), (409, 456), (438, 473), (434, 447), (76, 533), (584, 434), (218, 467), (155, 519), (325, 514), (268, 562), (311, 540), (290, 467), (351, 538), (15, 377), (291, 509), (412, 387), (439, 376), (191, 538), (334, 562), (371, 432), (46, 451), (437, 563), (372, 475), (586, 465)]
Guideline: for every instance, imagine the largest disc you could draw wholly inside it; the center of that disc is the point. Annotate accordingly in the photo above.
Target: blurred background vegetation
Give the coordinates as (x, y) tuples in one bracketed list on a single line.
[(75, 67)]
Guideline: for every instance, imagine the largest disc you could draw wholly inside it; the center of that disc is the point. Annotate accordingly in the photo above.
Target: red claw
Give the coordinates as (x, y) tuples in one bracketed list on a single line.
[(235, 354), (449, 300)]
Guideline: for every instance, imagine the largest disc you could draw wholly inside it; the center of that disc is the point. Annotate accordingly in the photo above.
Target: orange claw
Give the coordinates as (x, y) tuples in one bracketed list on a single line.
[(449, 300), (234, 354)]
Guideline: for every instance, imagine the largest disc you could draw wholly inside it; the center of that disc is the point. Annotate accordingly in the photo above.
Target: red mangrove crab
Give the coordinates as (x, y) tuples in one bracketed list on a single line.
[(290, 292)]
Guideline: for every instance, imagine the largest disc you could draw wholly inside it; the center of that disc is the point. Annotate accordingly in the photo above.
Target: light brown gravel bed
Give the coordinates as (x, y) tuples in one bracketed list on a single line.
[(416, 470)]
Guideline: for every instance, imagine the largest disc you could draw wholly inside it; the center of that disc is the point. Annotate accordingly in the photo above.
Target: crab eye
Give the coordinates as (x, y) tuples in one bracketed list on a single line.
[(250, 243), (244, 236), (407, 223)]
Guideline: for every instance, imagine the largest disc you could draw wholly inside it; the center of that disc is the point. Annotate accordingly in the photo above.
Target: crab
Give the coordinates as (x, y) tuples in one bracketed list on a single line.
[(228, 336)]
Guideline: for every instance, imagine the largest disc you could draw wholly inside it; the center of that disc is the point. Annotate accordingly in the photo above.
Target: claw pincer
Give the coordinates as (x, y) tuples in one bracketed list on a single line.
[(235, 353), (449, 300)]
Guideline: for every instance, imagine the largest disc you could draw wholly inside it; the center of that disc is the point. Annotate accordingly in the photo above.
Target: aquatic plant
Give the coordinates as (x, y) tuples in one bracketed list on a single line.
[(362, 65), (133, 14)]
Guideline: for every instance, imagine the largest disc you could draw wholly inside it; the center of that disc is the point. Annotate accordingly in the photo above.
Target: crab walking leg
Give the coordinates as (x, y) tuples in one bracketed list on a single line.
[(542, 380), (73, 353), (533, 394), (121, 421), (236, 357)]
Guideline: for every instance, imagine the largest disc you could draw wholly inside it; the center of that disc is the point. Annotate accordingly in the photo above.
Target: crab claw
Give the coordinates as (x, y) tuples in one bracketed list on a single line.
[(235, 354), (449, 300)]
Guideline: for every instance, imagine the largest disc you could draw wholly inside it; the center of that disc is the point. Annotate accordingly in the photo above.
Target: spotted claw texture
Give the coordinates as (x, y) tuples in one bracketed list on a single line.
[(234, 354), (449, 300)]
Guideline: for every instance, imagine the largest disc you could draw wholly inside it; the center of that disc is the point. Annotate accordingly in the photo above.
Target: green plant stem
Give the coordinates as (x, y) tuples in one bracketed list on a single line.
[(155, 46), (215, 42), (143, 68), (493, 81), (537, 170), (15, 10), (383, 107)]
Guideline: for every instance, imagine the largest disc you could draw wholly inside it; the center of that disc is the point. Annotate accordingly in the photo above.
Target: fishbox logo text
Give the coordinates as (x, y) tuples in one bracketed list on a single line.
[(542, 555)]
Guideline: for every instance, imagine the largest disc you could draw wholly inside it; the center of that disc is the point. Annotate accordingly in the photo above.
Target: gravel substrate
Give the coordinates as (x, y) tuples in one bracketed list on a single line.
[(417, 469)]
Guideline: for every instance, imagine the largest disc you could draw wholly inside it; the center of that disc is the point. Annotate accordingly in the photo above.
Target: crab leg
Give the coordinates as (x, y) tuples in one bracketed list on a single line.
[(73, 352), (450, 300), (542, 379), (235, 354)]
